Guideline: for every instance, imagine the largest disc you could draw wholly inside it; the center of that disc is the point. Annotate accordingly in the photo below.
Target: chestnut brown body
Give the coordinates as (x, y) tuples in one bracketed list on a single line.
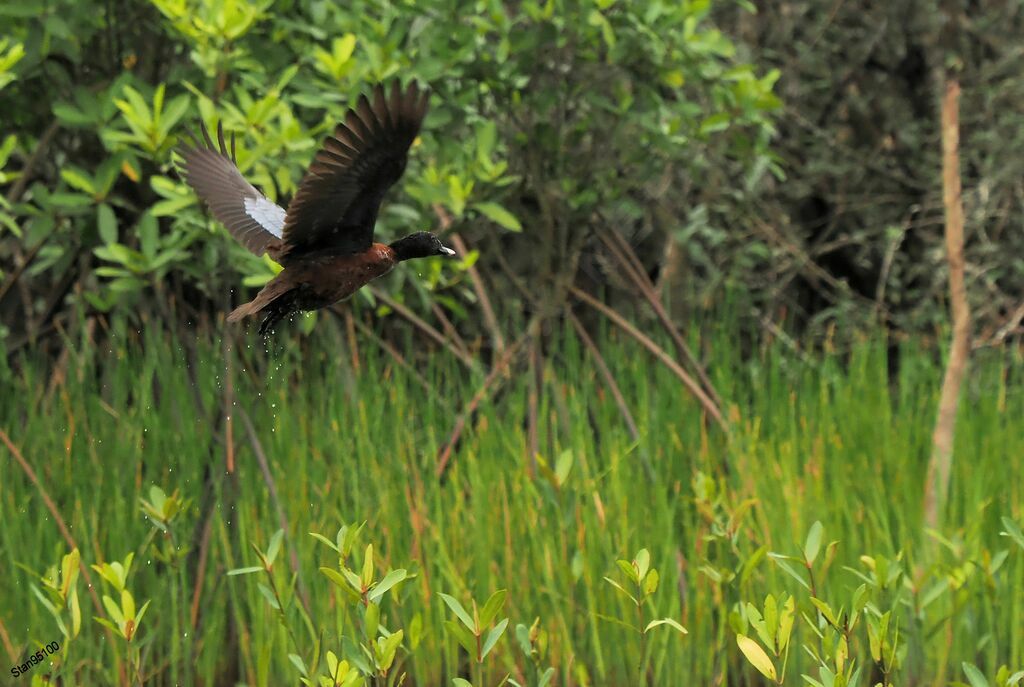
[(324, 241), (318, 281)]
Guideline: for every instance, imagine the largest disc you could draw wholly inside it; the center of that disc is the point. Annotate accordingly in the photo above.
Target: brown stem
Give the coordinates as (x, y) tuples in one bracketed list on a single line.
[(21, 183), (532, 403), (282, 519), (12, 653), (486, 389), (229, 402), (350, 333), (688, 381), (449, 329), (415, 320), (398, 358), (627, 257), (940, 463), (57, 517), (204, 549), (23, 263), (613, 387), (481, 293)]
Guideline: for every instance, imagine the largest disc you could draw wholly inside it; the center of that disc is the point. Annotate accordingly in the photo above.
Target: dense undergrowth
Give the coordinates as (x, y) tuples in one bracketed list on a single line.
[(159, 449)]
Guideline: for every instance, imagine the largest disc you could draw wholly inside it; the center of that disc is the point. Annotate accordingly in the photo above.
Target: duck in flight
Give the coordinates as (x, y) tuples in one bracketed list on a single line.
[(324, 241)]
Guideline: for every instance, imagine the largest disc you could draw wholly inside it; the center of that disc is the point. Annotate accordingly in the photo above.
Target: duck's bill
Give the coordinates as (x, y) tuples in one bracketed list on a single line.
[(445, 250)]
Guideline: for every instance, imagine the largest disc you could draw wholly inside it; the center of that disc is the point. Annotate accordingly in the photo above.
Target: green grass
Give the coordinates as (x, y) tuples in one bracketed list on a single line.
[(826, 440)]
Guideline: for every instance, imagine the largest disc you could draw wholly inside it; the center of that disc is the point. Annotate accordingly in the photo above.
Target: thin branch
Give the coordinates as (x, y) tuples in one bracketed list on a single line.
[(481, 293), (229, 403), (628, 259), (282, 519), (940, 463), (613, 387), (532, 406), (350, 333), (417, 322), (394, 353), (21, 183), (489, 386), (204, 549), (57, 517), (449, 329), (664, 357), (12, 653), (22, 265)]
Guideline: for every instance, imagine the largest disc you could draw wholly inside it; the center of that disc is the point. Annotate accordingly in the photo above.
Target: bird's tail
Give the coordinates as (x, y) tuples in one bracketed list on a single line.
[(243, 310)]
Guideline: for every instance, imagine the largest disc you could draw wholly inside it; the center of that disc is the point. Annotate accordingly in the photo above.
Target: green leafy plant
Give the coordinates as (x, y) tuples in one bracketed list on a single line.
[(533, 643), (125, 618), (642, 581), (58, 593), (477, 632)]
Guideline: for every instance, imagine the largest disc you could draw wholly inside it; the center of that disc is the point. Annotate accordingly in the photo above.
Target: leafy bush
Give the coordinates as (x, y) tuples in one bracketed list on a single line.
[(549, 121)]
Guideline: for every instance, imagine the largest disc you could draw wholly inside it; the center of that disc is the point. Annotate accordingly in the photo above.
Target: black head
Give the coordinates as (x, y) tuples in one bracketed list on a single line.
[(422, 244)]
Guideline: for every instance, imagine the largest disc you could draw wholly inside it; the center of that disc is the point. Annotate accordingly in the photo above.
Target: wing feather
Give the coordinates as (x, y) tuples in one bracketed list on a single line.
[(337, 202), (254, 220)]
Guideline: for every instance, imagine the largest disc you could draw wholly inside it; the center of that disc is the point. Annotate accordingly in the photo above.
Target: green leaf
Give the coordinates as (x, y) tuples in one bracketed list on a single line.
[(620, 588), (1013, 531), (780, 560), (563, 466), (666, 621), (245, 571), (460, 682), (813, 543), (651, 583), (786, 619), (462, 635), (628, 570), (642, 559), (492, 607), (76, 612), (459, 611), (274, 547), (342, 582), (757, 657), (367, 576), (148, 235), (268, 594), (78, 180), (298, 663), (974, 676), (388, 648), (389, 581), (716, 122), (141, 615), (114, 611), (69, 571), (757, 621), (826, 611), (69, 114), (498, 214), (371, 621), (492, 638), (127, 604), (325, 540), (49, 607), (176, 109)]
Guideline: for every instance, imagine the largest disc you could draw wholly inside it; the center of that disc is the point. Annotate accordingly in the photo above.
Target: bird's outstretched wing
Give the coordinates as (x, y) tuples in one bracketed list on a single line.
[(251, 217), (336, 205)]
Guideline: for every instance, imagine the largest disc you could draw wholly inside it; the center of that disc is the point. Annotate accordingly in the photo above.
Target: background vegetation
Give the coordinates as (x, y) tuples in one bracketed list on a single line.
[(747, 193)]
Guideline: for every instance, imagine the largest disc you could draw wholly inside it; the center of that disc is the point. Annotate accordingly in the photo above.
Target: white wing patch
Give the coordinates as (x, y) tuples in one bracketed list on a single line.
[(268, 215)]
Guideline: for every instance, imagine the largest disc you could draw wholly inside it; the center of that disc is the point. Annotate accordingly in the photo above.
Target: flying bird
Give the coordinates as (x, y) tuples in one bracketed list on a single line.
[(324, 241)]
